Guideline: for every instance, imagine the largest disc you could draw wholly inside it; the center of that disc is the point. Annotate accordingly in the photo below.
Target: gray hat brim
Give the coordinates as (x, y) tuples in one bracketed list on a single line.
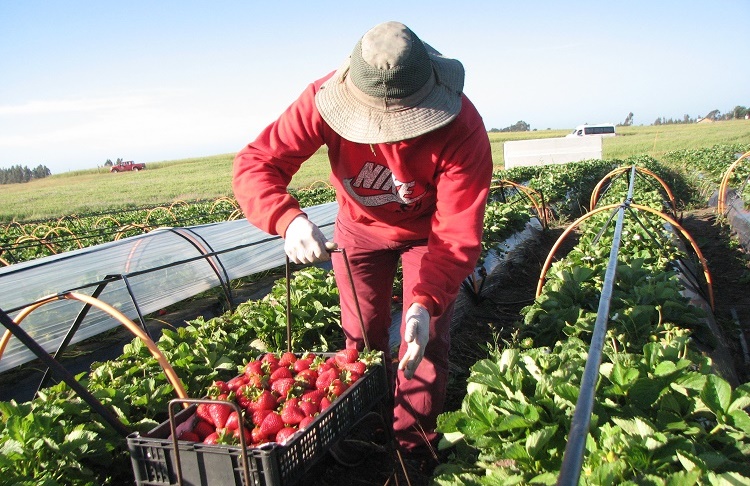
[(360, 122)]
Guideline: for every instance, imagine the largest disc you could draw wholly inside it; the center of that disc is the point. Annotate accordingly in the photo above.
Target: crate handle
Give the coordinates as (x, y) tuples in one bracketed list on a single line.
[(186, 402), (289, 300)]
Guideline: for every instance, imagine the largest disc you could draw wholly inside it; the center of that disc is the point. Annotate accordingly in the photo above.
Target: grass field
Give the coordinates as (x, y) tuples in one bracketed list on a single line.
[(210, 177)]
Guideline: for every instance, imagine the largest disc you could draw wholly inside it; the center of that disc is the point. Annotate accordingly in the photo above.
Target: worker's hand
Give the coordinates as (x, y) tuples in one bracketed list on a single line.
[(416, 335), (305, 243)]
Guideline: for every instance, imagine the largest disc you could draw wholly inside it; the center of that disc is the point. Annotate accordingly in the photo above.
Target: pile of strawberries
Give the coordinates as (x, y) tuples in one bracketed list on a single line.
[(278, 395)]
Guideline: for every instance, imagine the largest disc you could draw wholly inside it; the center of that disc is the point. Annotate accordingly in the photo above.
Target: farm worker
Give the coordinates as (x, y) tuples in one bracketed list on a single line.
[(411, 165)]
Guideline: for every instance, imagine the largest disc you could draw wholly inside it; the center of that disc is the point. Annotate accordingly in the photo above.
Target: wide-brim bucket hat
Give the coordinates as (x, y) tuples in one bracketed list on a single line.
[(393, 87)]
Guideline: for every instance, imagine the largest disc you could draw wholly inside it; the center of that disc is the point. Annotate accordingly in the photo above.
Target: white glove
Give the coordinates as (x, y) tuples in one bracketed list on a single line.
[(416, 335), (305, 243)]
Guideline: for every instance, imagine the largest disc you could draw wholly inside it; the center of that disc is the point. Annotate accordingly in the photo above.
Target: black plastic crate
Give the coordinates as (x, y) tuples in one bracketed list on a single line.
[(153, 454)]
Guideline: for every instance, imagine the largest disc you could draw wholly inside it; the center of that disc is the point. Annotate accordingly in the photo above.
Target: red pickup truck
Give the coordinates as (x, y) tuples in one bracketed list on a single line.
[(126, 166)]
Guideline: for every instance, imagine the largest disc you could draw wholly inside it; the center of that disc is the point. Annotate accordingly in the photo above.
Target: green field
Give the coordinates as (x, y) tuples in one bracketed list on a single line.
[(210, 177)]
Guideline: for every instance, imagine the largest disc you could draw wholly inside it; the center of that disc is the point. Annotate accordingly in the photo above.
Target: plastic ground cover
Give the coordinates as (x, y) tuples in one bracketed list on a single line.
[(137, 275)]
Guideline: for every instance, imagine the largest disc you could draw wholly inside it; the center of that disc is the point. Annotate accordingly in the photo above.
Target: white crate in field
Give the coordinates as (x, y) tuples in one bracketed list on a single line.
[(545, 151)]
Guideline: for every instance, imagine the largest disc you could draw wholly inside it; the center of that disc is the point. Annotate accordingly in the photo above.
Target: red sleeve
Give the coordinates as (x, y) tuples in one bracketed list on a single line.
[(455, 242), (264, 168)]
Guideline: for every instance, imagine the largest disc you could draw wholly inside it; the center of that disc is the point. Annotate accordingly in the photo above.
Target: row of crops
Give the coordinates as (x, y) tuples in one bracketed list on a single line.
[(27, 240), (22, 241), (662, 416)]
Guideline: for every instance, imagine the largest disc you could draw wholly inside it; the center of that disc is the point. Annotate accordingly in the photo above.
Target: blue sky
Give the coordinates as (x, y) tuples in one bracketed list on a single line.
[(86, 81)]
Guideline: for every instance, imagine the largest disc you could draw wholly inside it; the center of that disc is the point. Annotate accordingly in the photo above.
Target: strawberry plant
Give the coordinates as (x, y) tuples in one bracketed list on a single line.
[(205, 352), (661, 416)]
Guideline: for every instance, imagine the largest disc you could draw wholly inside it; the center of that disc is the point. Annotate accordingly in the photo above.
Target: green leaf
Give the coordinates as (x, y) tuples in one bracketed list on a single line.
[(684, 478), (566, 391), (544, 478), (516, 452), (623, 376), (740, 420), (740, 397), (690, 381), (665, 368), (690, 462), (727, 479), (637, 427), (644, 392), (538, 439), (716, 394)]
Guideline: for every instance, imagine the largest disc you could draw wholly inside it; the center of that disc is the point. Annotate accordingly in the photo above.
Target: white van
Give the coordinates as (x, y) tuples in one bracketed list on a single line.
[(603, 129)]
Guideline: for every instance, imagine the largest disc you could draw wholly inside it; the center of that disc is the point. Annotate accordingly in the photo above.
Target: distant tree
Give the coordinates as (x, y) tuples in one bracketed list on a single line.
[(628, 120), (519, 126), (108, 163), (40, 172), (739, 112), (713, 115), (17, 174)]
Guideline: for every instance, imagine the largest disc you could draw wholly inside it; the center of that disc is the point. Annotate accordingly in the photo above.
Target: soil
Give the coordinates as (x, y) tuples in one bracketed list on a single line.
[(490, 317)]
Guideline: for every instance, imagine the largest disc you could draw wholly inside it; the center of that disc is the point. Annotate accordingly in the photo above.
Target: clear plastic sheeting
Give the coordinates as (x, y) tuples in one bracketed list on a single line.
[(137, 276)]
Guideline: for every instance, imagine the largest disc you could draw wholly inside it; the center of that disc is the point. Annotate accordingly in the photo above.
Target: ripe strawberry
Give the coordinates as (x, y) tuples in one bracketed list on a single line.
[(264, 400), (313, 396), (302, 364), (307, 378), (305, 423), (350, 377), (218, 387), (308, 407), (317, 362), (233, 421), (203, 429), (256, 380), (219, 414), (285, 434), (190, 436), (244, 396), (259, 415), (254, 366), (325, 402), (213, 438), (283, 387), (337, 388), (281, 372), (287, 359), (243, 430), (271, 425), (344, 356), (325, 378), (291, 413), (357, 367), (202, 412), (218, 437), (236, 382), (256, 437), (271, 362)]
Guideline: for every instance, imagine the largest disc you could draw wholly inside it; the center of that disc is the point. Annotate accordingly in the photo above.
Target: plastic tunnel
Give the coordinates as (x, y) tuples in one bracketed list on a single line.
[(137, 276)]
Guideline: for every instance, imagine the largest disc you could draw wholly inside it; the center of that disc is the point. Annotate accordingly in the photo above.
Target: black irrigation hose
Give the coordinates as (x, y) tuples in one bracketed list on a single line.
[(570, 471)]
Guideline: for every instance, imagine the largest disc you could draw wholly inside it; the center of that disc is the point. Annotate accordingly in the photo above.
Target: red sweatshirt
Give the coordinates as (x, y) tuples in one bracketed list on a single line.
[(431, 187)]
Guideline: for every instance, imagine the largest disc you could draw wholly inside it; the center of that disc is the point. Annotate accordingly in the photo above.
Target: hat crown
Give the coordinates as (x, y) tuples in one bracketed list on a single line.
[(390, 62)]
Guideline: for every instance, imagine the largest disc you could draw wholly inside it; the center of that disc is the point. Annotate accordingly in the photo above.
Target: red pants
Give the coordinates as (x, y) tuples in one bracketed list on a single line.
[(373, 263)]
